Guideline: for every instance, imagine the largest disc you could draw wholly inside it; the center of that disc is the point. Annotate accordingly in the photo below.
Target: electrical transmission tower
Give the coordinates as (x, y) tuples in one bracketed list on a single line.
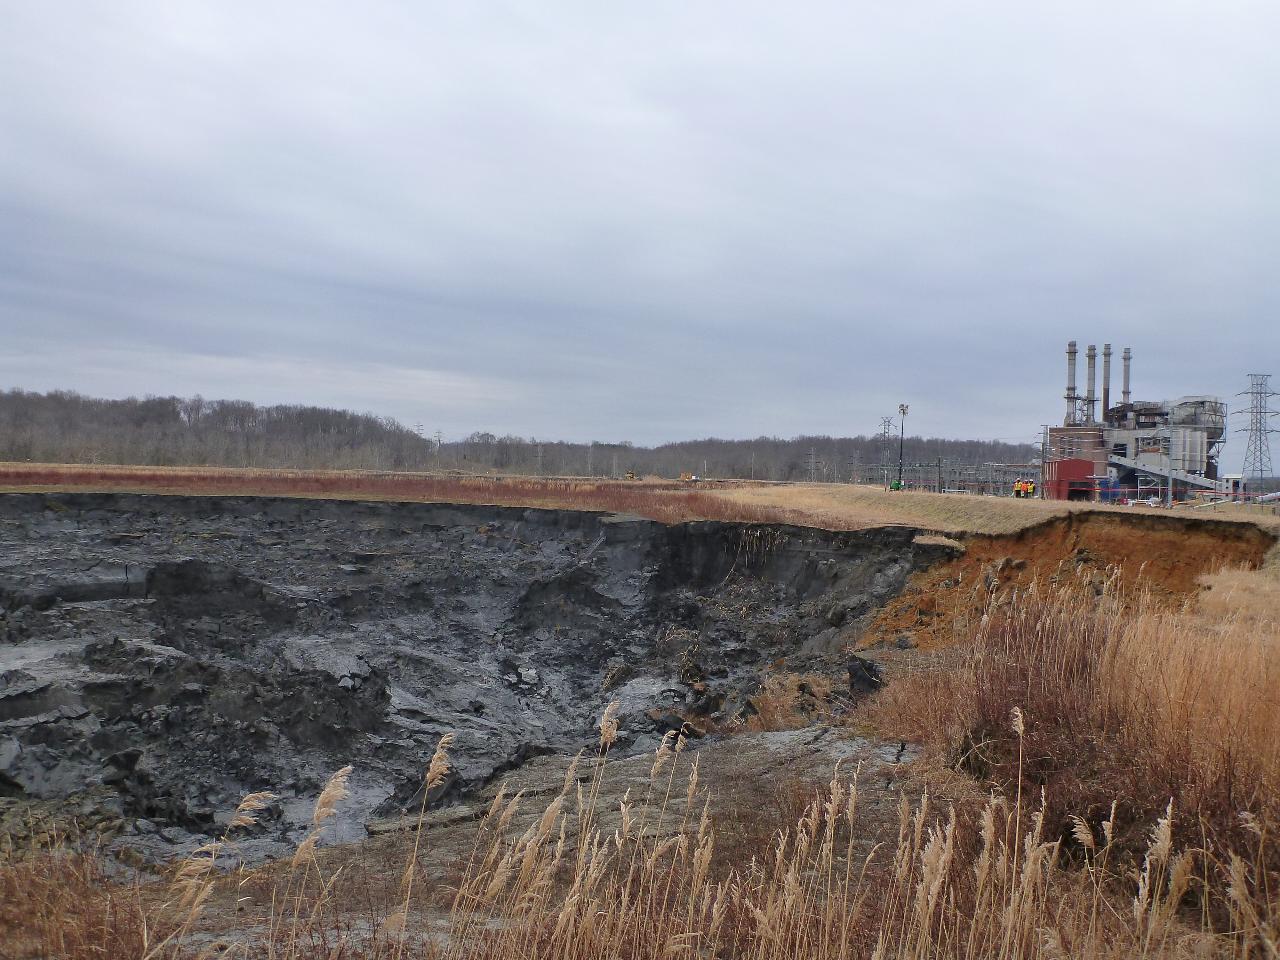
[(886, 432), (813, 463), (1257, 455)]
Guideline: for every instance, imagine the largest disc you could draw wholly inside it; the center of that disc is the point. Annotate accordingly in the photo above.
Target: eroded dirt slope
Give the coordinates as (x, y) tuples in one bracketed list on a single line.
[(1166, 555)]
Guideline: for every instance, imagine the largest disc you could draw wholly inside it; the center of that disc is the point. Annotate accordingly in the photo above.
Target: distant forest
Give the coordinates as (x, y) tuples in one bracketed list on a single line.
[(65, 427)]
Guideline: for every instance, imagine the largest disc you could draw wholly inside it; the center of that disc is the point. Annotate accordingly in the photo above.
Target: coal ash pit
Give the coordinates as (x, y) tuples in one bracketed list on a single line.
[(174, 653)]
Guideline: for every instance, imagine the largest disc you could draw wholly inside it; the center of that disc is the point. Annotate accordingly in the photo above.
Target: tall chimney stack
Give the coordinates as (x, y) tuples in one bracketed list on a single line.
[(1071, 383), (1106, 380), (1091, 398), (1128, 356)]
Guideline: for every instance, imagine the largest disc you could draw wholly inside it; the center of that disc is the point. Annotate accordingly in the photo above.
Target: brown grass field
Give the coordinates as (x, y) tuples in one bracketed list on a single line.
[(1100, 778), (831, 506)]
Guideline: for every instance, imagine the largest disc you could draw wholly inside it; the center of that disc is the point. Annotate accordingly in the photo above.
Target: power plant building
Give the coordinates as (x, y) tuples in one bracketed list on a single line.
[(1136, 448)]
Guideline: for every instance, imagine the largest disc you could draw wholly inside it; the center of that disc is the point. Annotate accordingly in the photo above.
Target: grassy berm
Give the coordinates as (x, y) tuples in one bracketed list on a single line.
[(1095, 775)]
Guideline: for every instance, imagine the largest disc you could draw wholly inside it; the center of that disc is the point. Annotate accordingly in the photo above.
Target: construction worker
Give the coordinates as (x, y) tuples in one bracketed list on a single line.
[(1017, 488), (1031, 489)]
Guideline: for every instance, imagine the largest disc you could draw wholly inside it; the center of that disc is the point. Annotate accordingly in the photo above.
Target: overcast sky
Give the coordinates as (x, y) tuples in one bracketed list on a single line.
[(640, 221)]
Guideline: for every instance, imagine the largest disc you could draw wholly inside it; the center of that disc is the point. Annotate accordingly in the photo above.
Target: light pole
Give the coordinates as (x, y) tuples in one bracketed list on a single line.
[(902, 436)]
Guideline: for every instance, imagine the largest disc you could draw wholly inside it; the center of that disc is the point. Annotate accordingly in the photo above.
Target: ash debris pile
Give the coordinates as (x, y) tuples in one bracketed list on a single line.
[(162, 656)]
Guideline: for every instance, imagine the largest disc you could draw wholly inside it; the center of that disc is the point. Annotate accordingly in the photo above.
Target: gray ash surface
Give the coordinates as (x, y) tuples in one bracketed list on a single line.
[(161, 656)]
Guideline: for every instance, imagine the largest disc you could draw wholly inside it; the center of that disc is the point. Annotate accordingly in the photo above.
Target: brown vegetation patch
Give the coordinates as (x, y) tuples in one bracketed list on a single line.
[(1123, 705)]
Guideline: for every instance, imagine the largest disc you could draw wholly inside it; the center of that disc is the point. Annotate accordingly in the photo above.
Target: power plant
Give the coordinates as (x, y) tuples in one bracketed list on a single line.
[(1136, 449)]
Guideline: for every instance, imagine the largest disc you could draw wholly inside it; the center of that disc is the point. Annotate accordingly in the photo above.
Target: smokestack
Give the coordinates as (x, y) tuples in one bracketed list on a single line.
[(1092, 397), (1106, 380), (1071, 383), (1128, 355)]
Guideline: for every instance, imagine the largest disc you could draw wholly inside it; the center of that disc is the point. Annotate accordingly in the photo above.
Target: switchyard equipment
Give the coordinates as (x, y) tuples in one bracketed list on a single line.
[(1136, 449)]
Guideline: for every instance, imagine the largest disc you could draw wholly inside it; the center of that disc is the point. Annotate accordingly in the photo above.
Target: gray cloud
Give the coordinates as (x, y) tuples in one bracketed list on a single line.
[(644, 222)]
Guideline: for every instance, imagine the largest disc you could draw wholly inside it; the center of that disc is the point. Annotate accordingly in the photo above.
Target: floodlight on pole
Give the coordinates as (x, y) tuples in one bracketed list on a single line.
[(902, 436)]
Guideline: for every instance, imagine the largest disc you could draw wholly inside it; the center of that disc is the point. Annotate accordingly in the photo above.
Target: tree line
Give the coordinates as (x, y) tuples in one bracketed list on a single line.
[(819, 458), (67, 427)]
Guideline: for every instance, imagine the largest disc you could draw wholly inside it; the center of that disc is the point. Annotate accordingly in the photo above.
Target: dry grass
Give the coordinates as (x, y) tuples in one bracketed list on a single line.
[(1199, 690), (790, 701), (1263, 514), (850, 506), (60, 903), (665, 501), (830, 506), (994, 882), (842, 506), (1122, 699), (1242, 598)]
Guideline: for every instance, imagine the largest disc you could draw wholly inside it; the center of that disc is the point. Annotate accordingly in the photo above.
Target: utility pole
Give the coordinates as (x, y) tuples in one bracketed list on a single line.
[(539, 459), (439, 442), (939, 474), (591, 452), (813, 465), (902, 437)]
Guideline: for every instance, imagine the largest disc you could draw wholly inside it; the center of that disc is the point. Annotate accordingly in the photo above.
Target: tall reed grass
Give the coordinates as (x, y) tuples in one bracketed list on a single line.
[(648, 882), (1128, 705), (1132, 699)]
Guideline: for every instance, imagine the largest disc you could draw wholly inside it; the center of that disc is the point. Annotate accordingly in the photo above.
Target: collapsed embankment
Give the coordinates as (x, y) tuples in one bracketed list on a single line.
[(1167, 556), (160, 656)]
